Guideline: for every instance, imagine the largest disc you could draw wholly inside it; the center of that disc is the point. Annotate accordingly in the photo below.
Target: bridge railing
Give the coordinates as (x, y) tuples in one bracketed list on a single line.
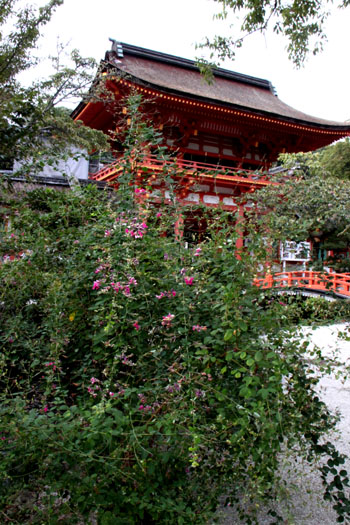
[(338, 283)]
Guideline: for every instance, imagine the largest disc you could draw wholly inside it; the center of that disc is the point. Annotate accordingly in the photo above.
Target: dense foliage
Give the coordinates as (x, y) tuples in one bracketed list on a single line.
[(331, 161), (335, 159), (301, 309), (141, 381)]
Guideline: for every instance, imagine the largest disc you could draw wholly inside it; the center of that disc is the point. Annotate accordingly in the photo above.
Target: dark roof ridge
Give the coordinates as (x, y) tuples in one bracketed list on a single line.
[(121, 48)]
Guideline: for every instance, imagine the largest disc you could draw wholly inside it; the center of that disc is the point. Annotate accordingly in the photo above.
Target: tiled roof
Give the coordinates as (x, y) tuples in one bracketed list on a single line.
[(182, 77)]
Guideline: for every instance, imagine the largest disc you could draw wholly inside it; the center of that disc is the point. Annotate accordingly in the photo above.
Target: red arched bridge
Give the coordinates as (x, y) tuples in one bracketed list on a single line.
[(318, 282)]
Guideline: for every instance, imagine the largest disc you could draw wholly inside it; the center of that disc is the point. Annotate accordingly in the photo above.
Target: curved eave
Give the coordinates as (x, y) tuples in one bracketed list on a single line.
[(78, 110), (92, 114), (231, 109)]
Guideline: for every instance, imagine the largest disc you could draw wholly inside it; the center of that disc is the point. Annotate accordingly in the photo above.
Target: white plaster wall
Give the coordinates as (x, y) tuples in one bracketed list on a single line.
[(77, 166), (211, 199)]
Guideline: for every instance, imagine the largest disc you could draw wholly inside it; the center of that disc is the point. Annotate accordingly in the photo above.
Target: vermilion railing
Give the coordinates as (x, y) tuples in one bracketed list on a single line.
[(338, 283), (153, 163)]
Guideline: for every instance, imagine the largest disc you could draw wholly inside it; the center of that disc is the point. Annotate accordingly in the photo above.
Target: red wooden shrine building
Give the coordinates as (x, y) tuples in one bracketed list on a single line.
[(225, 134)]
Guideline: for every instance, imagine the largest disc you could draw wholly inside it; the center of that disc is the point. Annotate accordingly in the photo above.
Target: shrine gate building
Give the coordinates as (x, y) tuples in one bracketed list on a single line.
[(224, 134)]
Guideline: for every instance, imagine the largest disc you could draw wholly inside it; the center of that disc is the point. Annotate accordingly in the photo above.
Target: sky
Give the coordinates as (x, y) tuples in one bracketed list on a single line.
[(321, 88)]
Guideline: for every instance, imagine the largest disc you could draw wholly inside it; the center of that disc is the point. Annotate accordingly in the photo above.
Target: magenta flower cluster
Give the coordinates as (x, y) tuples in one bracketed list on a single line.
[(169, 294), (138, 230), (176, 387), (144, 407), (134, 227), (198, 328), (97, 387), (51, 364), (125, 288), (167, 319), (96, 285), (140, 191)]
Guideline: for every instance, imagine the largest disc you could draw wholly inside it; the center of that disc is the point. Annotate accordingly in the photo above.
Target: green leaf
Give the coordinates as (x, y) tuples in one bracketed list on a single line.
[(228, 335), (258, 356)]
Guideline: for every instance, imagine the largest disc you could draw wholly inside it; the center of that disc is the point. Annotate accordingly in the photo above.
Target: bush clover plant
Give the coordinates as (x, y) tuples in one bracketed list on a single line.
[(142, 381)]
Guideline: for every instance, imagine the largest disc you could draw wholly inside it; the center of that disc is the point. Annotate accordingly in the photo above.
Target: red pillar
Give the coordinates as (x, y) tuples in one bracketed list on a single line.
[(179, 227)]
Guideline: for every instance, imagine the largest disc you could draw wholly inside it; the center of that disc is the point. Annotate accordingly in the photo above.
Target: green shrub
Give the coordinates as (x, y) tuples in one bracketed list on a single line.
[(142, 382), (300, 309)]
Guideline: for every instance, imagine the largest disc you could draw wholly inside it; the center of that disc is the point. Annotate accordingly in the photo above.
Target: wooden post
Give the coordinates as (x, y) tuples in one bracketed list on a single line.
[(239, 231), (179, 231)]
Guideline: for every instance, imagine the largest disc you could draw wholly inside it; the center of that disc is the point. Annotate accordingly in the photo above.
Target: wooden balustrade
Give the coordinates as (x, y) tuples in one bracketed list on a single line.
[(338, 283), (180, 165)]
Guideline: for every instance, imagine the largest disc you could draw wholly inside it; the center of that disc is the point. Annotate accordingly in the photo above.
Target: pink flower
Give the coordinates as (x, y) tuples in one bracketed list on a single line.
[(158, 214), (166, 321), (189, 281), (197, 252), (76, 241), (144, 225), (96, 285), (46, 409), (140, 191), (111, 394), (133, 281), (168, 294), (146, 408), (91, 391), (198, 328), (93, 380), (107, 233), (117, 286), (136, 325)]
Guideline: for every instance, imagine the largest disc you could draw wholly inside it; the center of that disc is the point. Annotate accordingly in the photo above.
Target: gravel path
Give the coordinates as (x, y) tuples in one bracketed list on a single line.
[(303, 503)]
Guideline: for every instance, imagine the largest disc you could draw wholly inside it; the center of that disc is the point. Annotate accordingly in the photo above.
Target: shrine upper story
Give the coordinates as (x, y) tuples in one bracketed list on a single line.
[(234, 121)]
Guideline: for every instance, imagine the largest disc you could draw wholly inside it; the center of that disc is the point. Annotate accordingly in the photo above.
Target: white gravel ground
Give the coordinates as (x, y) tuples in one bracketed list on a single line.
[(303, 503)]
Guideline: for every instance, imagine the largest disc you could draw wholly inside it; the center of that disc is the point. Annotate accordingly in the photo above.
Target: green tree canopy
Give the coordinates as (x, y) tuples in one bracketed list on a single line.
[(304, 208), (335, 159), (330, 161), (311, 202), (301, 22), (29, 115)]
